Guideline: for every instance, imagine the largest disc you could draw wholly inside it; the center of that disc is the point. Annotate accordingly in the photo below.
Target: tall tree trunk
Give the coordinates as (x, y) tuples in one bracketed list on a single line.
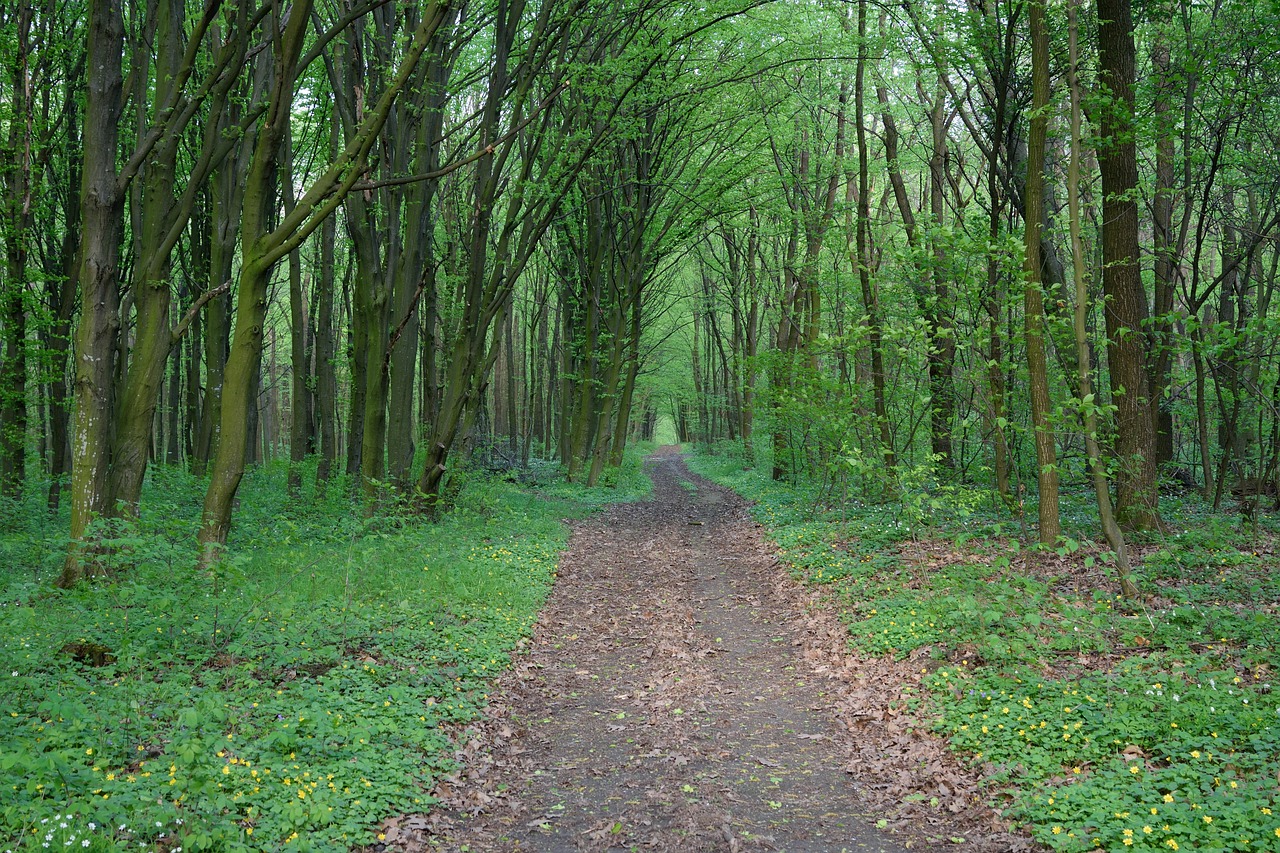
[(1202, 414), (862, 253), (61, 285), (191, 415), (540, 357), (751, 341), (160, 215), (1000, 59), (17, 239), (603, 429), (243, 362), (509, 354), (102, 200), (326, 372), (173, 412), (782, 371), (1084, 365), (627, 397), (300, 391), (367, 317), (226, 195), (415, 276), (151, 288), (941, 335), (1164, 248), (1037, 366), (1126, 300)]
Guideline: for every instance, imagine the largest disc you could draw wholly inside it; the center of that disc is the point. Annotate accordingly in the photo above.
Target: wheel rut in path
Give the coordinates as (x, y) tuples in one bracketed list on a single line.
[(662, 703)]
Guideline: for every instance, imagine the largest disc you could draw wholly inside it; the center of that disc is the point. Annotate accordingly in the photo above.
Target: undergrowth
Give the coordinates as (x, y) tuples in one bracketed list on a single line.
[(1097, 723), (305, 689)]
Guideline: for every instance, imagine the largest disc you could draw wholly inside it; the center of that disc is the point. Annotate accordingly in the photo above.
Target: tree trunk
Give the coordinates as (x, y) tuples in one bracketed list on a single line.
[(102, 200), (1164, 248), (61, 285), (625, 401), (151, 287), (1084, 365), (862, 253), (173, 413), (414, 276), (300, 391), (17, 239), (941, 335), (326, 373), (243, 362), (1033, 295), (1126, 300), (226, 194)]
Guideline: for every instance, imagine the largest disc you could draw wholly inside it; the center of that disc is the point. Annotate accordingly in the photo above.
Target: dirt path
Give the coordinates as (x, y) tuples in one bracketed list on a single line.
[(672, 700)]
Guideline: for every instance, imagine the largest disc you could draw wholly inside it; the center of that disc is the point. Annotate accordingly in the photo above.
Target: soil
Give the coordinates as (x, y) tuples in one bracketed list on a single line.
[(682, 693)]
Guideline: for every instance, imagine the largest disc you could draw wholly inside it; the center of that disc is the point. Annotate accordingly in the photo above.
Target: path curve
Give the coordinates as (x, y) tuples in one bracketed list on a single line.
[(664, 703)]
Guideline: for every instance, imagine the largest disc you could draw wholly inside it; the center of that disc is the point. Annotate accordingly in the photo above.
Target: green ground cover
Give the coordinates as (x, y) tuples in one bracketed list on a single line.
[(1097, 724), (291, 699)]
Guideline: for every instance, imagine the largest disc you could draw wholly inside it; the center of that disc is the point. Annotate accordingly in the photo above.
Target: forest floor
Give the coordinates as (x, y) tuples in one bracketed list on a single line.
[(682, 692)]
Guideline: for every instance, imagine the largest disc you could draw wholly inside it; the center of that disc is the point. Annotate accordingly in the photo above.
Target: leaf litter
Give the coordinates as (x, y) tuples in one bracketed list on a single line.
[(682, 692)]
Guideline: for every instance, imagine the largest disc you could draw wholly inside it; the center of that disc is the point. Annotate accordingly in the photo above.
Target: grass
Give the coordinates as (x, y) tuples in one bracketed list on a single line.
[(1097, 724), (308, 688)]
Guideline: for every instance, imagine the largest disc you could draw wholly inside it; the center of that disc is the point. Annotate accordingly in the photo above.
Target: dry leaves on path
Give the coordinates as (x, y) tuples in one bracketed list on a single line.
[(682, 692)]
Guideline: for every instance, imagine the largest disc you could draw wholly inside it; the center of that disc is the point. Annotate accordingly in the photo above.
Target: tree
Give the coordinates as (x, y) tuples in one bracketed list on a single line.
[(102, 200), (262, 246), (1126, 299), (1037, 368)]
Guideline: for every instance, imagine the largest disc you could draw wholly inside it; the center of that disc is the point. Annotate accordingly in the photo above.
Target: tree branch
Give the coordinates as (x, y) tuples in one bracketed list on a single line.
[(179, 330)]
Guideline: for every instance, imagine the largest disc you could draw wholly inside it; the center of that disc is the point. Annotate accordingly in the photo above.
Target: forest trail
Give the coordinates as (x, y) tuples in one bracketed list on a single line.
[(666, 704)]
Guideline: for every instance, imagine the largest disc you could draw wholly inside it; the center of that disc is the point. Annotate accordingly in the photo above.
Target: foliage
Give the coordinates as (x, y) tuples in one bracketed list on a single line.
[(1096, 723), (1121, 760), (295, 694), (627, 482)]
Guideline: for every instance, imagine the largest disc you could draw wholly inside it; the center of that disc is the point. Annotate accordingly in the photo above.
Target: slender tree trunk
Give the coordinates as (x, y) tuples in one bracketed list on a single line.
[(192, 400), (751, 342), (326, 373), (862, 258), (61, 285), (941, 340), (414, 277), (1164, 246), (512, 413), (782, 371), (226, 195), (173, 412), (365, 319), (430, 344), (299, 363), (1037, 367), (1202, 415), (540, 357)]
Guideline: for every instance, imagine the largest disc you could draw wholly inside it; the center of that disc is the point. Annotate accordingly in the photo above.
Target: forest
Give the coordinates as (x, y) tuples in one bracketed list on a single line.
[(318, 318)]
